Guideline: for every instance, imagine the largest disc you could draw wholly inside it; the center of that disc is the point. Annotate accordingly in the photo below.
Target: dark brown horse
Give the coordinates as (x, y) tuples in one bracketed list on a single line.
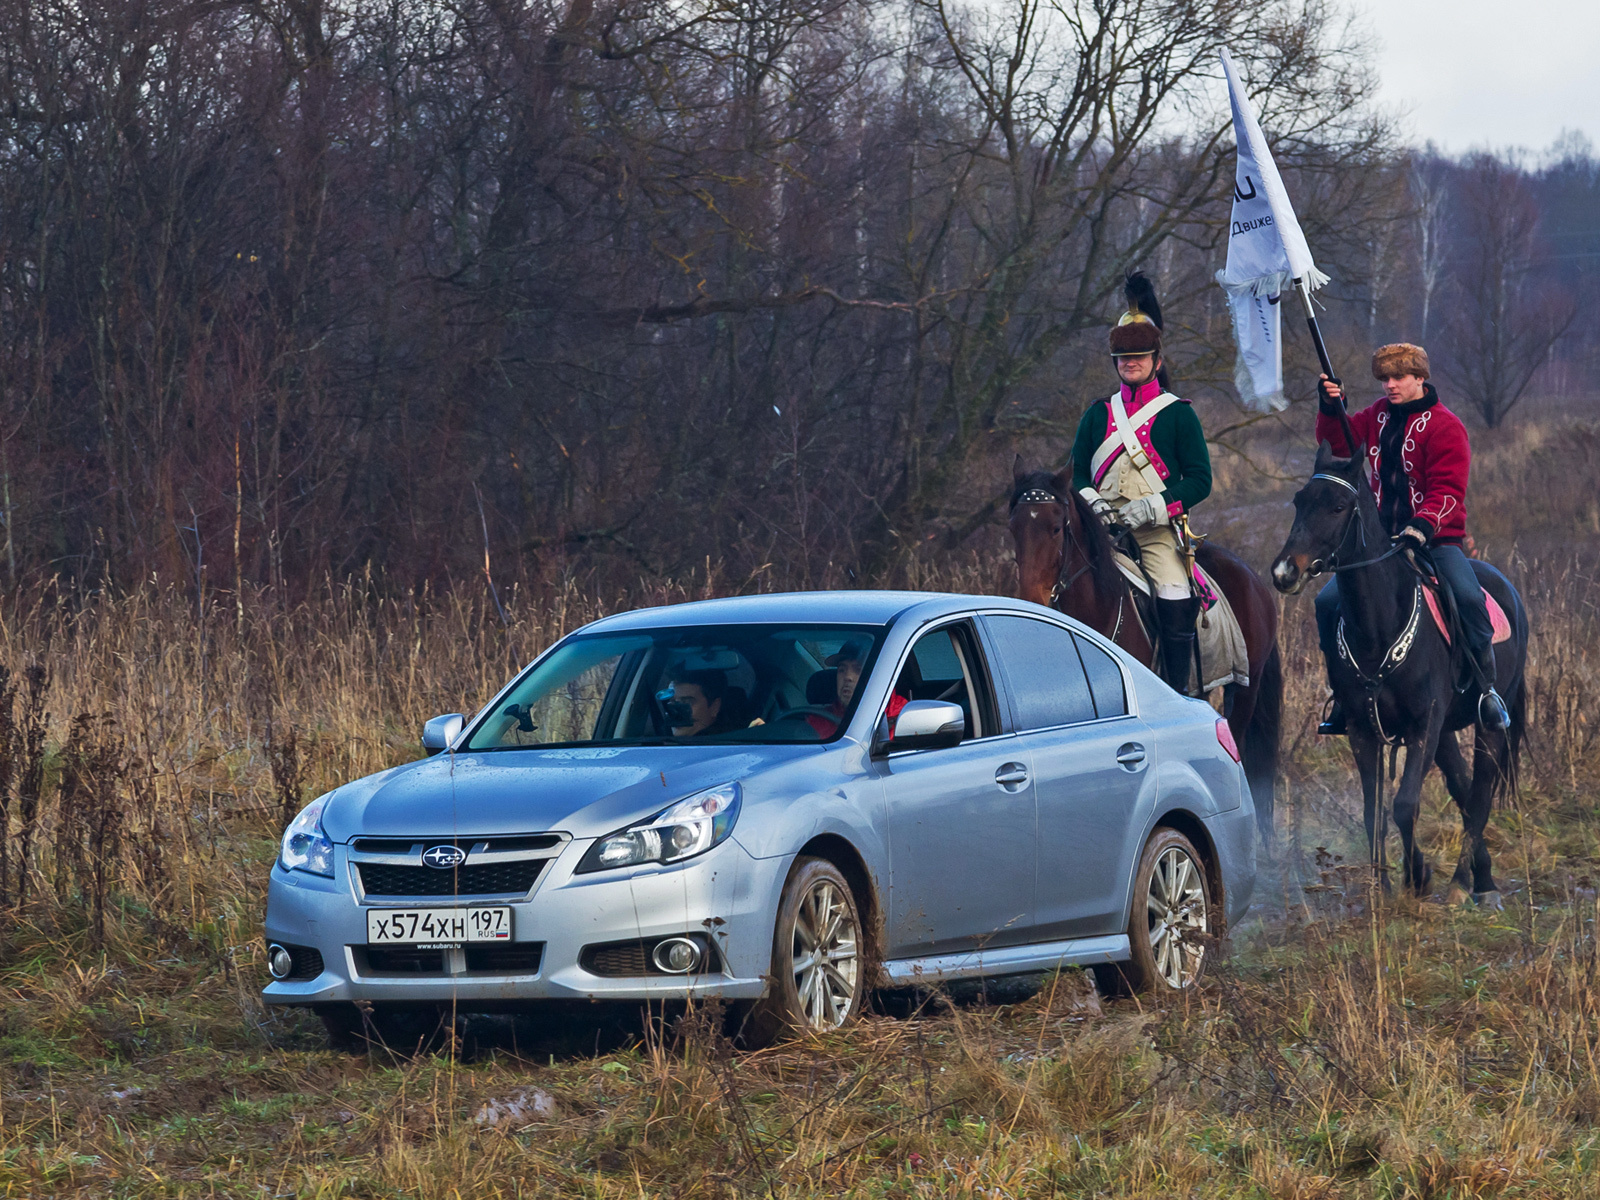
[(1065, 561)]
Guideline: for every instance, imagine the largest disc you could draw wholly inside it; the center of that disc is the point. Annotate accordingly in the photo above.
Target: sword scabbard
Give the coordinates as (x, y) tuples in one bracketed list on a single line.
[(1187, 540)]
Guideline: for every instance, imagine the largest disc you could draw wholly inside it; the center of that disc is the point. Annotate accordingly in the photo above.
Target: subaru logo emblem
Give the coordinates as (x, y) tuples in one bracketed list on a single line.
[(444, 857)]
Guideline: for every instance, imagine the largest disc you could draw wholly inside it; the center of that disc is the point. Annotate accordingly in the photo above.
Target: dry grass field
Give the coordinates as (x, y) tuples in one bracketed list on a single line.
[(1347, 1045)]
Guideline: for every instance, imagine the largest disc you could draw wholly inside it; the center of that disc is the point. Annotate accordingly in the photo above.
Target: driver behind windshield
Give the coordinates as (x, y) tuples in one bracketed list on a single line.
[(701, 703)]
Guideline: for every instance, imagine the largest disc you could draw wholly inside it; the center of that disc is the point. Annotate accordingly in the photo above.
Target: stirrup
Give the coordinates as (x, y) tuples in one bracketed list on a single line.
[(1497, 718), (1333, 722)]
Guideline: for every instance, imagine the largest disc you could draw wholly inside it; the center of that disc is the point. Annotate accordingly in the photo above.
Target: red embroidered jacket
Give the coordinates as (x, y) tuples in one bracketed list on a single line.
[(1434, 453)]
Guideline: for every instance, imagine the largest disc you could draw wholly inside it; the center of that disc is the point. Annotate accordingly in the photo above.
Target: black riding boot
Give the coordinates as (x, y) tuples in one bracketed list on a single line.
[(1177, 618), (1492, 714), (1334, 723)]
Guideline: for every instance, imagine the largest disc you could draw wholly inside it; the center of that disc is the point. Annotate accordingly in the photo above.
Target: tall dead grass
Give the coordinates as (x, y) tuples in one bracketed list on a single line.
[(144, 746), (141, 740)]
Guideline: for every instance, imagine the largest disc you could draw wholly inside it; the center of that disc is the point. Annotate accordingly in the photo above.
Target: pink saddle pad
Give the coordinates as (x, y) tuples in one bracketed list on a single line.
[(1497, 616)]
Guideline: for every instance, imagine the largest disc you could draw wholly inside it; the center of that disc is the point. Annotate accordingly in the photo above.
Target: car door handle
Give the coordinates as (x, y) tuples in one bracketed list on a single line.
[(1011, 776), (1130, 755)]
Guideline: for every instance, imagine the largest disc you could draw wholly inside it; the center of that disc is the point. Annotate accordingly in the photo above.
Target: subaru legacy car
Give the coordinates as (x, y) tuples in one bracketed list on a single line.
[(780, 801)]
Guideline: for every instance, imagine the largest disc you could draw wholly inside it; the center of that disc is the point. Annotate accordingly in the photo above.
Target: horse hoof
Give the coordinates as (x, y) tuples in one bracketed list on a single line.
[(1489, 900), (1421, 888), (1457, 895)]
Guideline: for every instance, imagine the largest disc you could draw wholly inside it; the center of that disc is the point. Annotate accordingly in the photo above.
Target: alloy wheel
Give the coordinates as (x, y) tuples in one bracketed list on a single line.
[(825, 955), (1177, 913)]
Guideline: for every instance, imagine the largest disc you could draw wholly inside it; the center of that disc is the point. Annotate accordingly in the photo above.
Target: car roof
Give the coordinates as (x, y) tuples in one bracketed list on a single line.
[(852, 607)]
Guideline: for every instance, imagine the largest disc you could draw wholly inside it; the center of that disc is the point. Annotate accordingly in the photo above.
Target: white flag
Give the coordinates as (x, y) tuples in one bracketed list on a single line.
[(1258, 371), (1266, 249)]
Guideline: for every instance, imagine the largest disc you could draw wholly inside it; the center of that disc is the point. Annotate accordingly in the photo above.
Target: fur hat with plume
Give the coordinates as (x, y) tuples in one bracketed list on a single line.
[(1139, 330)]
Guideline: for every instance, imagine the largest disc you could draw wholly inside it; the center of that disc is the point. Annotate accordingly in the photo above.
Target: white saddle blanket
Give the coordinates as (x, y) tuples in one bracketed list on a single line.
[(1223, 658)]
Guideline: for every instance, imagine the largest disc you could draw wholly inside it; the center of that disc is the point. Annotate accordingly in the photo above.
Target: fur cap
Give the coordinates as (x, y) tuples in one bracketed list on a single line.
[(1139, 330), (1400, 358)]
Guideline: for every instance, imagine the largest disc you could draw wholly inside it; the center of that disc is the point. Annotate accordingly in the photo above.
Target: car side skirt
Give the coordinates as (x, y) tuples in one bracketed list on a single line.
[(1008, 960)]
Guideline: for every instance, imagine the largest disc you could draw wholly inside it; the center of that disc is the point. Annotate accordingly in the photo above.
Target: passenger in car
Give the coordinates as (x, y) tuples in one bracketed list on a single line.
[(846, 664)]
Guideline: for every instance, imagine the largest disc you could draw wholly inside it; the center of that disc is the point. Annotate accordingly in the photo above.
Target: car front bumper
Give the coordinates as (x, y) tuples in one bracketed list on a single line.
[(724, 895)]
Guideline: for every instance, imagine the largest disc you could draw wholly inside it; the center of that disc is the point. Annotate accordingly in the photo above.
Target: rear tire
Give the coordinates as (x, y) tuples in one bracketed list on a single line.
[(818, 973), (1170, 920)]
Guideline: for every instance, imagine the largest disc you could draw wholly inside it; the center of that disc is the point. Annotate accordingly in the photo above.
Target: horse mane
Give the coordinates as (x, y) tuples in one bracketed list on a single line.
[(1095, 540)]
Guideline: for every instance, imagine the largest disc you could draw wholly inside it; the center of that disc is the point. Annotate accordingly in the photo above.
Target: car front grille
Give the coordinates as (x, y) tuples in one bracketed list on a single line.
[(474, 879), (511, 958), (494, 845), (618, 958), (505, 958), (404, 960)]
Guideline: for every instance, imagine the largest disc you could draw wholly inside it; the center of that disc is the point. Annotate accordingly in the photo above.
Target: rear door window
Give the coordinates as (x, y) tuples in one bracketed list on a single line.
[(1048, 684), (1105, 679)]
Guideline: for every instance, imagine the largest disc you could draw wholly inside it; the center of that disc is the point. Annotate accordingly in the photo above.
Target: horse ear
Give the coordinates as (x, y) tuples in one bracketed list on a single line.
[(1324, 454), (1063, 480), (1017, 470)]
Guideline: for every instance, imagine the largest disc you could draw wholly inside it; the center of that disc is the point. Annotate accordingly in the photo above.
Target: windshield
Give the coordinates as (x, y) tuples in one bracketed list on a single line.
[(724, 683)]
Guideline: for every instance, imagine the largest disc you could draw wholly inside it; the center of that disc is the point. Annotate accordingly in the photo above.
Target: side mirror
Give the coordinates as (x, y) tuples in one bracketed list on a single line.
[(924, 725), (438, 733)]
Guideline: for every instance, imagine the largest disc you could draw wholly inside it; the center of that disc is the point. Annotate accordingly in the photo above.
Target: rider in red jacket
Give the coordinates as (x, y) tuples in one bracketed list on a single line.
[(1418, 459)]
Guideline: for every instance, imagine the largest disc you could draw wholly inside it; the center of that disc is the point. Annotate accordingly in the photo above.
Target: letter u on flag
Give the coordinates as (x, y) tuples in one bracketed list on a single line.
[(1265, 251)]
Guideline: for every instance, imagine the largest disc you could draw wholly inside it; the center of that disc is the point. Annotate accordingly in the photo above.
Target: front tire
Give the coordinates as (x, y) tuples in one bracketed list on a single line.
[(402, 1032), (1170, 922), (818, 975)]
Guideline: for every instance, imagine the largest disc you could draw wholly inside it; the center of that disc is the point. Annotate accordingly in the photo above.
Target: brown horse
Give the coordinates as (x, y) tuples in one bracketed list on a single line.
[(1065, 561)]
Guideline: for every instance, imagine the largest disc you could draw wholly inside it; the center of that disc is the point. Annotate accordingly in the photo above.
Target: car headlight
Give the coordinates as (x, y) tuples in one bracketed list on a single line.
[(305, 847), (691, 826)]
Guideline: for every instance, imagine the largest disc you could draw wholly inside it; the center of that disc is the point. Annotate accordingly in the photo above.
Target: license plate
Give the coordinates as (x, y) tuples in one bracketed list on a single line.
[(414, 926)]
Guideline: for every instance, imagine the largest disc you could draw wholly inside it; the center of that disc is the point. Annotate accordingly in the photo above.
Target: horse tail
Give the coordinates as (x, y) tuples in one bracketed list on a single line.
[(1261, 742)]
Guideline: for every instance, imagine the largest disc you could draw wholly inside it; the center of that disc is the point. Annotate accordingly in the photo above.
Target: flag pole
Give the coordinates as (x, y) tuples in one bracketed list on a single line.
[(1303, 286)]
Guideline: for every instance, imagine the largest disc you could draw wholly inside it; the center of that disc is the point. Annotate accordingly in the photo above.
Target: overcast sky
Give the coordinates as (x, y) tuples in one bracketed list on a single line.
[(1495, 73)]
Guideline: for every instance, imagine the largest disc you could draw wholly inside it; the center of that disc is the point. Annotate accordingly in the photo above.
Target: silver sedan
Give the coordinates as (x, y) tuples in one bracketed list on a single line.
[(781, 801)]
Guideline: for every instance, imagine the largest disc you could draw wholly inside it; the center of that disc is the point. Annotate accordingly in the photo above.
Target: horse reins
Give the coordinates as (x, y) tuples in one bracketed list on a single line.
[(1334, 564)]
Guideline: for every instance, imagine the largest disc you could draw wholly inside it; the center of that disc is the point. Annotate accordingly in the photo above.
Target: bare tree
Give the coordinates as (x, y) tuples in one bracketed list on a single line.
[(1428, 193), (765, 283), (1504, 320)]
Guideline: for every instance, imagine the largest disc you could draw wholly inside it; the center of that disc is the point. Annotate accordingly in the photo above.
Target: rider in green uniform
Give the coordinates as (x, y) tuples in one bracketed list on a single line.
[(1140, 459)]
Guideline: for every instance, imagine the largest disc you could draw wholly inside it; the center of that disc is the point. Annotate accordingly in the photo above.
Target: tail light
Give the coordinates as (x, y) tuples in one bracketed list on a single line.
[(1225, 737)]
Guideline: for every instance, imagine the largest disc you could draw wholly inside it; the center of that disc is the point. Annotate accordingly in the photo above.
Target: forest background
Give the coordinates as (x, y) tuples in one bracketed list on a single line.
[(618, 290)]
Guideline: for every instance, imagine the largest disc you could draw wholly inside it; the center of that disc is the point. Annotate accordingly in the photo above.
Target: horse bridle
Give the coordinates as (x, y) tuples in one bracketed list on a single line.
[(1318, 566), (1040, 496)]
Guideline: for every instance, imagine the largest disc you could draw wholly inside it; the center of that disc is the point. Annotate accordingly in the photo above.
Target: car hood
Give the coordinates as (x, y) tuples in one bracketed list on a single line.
[(583, 792)]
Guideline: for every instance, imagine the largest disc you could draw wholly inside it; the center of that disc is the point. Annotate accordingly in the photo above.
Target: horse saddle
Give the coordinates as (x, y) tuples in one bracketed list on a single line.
[(1223, 657), (1497, 615)]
